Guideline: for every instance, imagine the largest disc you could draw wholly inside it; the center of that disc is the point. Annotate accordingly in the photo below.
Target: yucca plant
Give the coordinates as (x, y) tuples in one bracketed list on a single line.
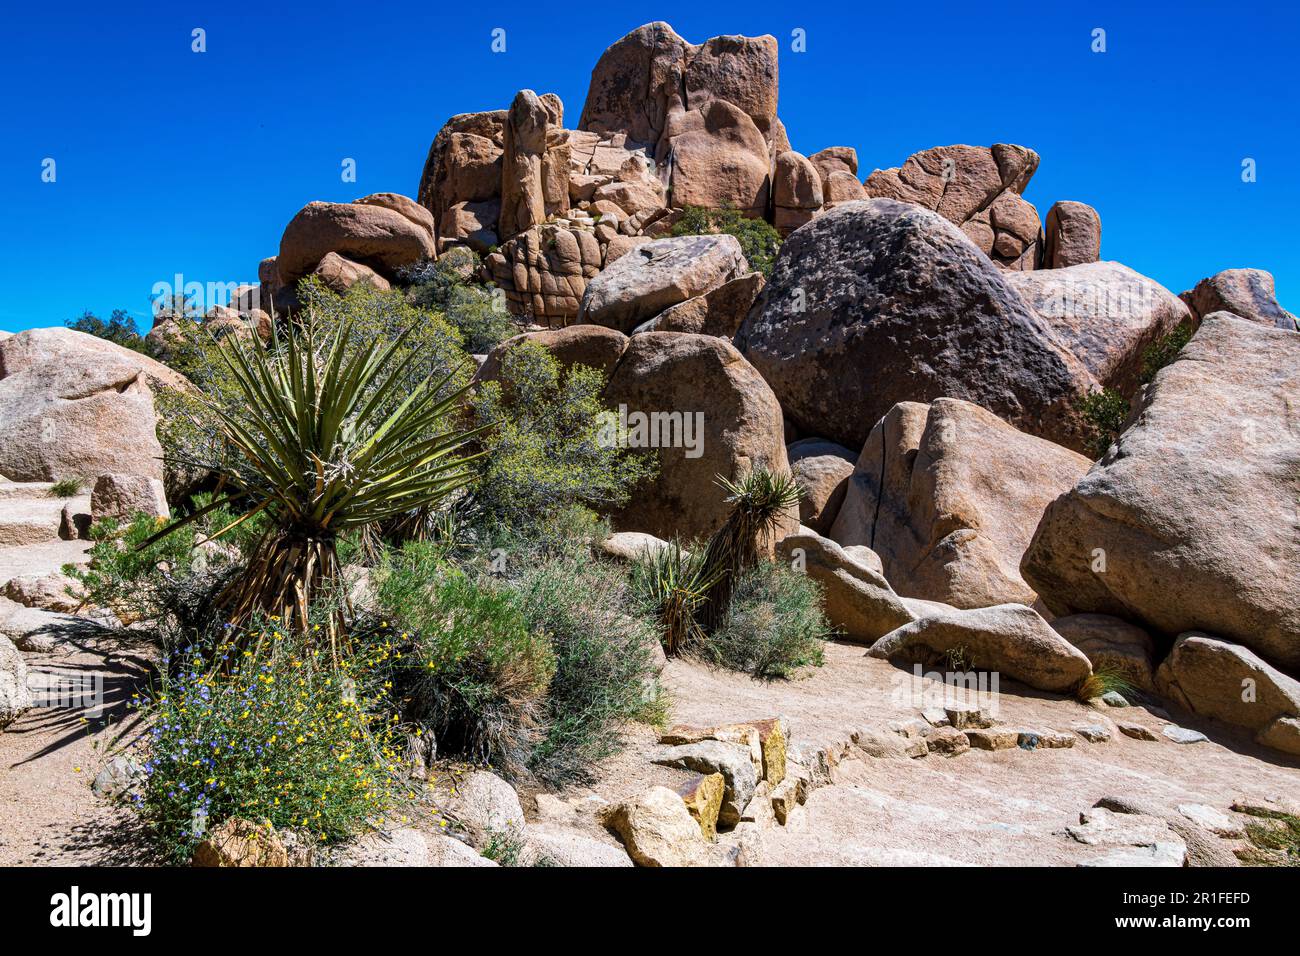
[(672, 586), (758, 502), (329, 438)]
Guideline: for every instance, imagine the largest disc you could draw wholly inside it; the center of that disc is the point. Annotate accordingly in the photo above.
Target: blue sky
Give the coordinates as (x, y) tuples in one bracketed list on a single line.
[(170, 161)]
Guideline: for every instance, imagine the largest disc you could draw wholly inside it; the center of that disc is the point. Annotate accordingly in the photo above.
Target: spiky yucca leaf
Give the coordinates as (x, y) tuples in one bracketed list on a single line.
[(672, 586), (326, 442), (758, 502)]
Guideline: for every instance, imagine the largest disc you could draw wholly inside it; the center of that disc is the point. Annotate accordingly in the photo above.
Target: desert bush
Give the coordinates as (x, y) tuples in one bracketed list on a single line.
[(1103, 681), (670, 589), (163, 586), (1104, 414), (773, 625), (1274, 838), (545, 442), (1164, 350), (67, 487), (265, 728), (470, 666), (605, 675), (758, 239)]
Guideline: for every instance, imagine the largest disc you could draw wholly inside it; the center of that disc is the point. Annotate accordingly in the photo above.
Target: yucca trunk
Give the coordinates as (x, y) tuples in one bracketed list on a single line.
[(287, 571)]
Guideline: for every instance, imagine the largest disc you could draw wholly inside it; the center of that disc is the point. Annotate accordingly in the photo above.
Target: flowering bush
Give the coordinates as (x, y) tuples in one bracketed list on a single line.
[(278, 734)]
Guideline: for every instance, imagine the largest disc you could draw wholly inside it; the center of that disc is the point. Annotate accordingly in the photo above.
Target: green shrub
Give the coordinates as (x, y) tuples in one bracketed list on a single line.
[(1104, 414), (759, 241), (276, 734), (67, 487), (165, 587), (759, 500), (471, 667), (605, 672), (475, 311), (1274, 838), (773, 626), (1164, 350), (546, 446)]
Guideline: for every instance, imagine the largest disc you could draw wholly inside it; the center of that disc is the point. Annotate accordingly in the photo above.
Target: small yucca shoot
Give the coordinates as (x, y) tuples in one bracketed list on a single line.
[(758, 502)]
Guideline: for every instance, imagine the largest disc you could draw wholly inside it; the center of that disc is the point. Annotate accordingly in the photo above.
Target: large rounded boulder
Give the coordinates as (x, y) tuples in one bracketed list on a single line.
[(657, 275), (73, 405), (880, 302), (384, 237), (703, 411), (1189, 521)]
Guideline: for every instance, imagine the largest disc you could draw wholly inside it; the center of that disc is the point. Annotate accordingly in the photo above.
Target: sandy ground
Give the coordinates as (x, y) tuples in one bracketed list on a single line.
[(49, 758), (983, 808), (1002, 808)]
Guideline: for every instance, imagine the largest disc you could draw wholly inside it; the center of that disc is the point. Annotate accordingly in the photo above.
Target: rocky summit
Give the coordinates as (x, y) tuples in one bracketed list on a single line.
[(662, 495)]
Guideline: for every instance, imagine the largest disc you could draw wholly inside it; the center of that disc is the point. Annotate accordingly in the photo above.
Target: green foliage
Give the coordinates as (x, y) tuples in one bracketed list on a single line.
[(471, 667), (537, 673), (277, 735), (1164, 350), (1104, 414), (504, 849), (758, 239), (1103, 681), (331, 436), (1274, 839), (604, 666), (758, 502), (479, 315), (119, 329), (671, 589), (67, 487), (545, 443), (773, 626)]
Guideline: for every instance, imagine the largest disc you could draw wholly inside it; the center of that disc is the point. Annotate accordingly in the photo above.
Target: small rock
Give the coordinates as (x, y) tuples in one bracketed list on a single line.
[(948, 741), (444, 850), (119, 776), (553, 809), (962, 716), (1212, 819), (1093, 733), (1114, 699), (993, 738), (404, 847), (733, 761), (550, 844), (1181, 735), (486, 806), (703, 798), (658, 830), (240, 843), (1136, 731), (936, 717)]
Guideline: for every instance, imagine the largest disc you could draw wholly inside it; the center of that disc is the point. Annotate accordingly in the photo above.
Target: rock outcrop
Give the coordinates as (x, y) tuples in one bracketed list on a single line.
[(1105, 313), (1248, 293), (1188, 522), (1228, 682), (952, 514), (1010, 639), (73, 405), (383, 237), (822, 470), (881, 302), (1072, 235), (657, 275), (977, 189)]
